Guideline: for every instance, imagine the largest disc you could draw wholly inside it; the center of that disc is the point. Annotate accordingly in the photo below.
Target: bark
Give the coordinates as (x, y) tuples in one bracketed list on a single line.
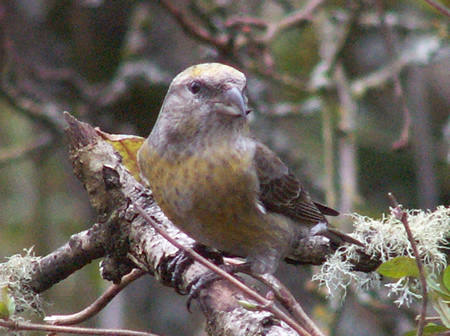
[(126, 241)]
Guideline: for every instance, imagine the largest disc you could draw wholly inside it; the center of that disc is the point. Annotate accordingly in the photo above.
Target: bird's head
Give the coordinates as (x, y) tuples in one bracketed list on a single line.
[(205, 99)]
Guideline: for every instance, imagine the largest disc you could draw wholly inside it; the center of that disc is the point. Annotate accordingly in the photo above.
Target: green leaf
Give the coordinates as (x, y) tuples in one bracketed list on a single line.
[(443, 309), (438, 287), (446, 278), (7, 305), (430, 329), (399, 267), (4, 312)]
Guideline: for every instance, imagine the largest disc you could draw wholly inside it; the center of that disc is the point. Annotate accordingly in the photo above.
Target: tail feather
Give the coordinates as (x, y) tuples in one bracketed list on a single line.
[(339, 237)]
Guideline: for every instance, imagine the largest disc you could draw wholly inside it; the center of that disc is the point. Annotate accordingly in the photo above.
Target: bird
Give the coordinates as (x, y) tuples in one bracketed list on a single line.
[(217, 182)]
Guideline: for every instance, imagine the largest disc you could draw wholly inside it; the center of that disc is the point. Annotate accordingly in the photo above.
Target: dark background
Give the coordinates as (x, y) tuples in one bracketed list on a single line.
[(354, 96)]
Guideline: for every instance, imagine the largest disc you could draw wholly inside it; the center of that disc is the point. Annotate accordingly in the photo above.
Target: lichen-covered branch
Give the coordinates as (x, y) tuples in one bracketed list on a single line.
[(126, 241)]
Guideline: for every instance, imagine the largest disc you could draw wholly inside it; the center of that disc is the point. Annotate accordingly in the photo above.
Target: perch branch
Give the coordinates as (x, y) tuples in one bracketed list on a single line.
[(403, 217), (14, 325), (98, 305), (263, 302), (127, 241)]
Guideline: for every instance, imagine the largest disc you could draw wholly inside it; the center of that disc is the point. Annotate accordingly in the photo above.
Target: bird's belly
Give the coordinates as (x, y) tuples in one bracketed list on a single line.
[(213, 202)]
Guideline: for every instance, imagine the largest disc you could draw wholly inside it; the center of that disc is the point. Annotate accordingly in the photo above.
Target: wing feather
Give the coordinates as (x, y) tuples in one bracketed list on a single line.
[(281, 192)]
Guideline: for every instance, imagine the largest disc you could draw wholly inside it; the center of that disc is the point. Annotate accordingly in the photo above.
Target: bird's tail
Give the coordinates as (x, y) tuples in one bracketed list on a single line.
[(339, 237)]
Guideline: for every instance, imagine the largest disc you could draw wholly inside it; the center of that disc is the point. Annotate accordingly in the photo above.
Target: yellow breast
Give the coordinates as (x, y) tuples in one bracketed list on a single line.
[(212, 197)]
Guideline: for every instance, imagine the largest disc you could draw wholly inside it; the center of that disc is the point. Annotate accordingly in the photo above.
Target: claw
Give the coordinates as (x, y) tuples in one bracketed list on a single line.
[(206, 279), (181, 262), (177, 267)]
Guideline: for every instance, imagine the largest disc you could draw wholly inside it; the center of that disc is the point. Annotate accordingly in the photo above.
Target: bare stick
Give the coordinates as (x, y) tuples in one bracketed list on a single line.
[(98, 305), (16, 325), (403, 217), (191, 28), (263, 302), (41, 143), (398, 88), (294, 19), (288, 301), (439, 7)]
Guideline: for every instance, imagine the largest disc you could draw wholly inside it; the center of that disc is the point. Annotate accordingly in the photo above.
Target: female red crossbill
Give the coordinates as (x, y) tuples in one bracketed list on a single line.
[(216, 182)]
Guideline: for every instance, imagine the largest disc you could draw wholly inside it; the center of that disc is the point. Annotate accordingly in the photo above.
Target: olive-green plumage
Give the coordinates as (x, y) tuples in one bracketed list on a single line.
[(217, 183)]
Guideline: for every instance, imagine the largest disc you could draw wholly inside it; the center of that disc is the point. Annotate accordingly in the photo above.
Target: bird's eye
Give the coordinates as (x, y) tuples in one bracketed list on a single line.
[(195, 87)]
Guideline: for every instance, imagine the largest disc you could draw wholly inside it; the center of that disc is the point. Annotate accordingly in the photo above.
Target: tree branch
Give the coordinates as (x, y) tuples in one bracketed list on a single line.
[(127, 241), (403, 217), (98, 305)]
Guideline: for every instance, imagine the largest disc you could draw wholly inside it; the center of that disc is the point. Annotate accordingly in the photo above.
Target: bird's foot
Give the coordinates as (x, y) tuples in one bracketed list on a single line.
[(182, 261), (206, 279)]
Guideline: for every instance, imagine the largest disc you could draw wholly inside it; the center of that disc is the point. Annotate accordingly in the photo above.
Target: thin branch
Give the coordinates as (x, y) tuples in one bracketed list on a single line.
[(398, 88), (439, 7), (272, 29), (16, 325), (328, 137), (98, 305), (377, 78), (47, 113), (263, 302), (191, 28), (294, 19), (278, 78), (347, 146), (245, 21), (285, 297), (364, 20), (18, 153), (403, 217)]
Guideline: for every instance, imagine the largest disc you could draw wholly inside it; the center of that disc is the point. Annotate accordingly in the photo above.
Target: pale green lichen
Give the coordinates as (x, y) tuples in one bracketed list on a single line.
[(15, 274), (387, 238)]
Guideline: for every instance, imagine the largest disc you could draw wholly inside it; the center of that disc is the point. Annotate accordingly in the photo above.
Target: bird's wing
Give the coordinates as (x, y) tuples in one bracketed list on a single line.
[(281, 192)]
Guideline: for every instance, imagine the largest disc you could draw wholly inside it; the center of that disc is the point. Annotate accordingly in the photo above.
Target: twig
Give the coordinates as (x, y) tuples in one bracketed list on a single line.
[(47, 113), (191, 28), (19, 153), (292, 20), (347, 146), (433, 319), (328, 136), (245, 21), (263, 302), (272, 29), (439, 7), (16, 325), (398, 88), (279, 78), (98, 305), (378, 78), (288, 301), (403, 217)]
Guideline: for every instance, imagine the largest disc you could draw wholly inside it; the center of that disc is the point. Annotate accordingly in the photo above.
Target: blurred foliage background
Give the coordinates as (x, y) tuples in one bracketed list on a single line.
[(353, 95)]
